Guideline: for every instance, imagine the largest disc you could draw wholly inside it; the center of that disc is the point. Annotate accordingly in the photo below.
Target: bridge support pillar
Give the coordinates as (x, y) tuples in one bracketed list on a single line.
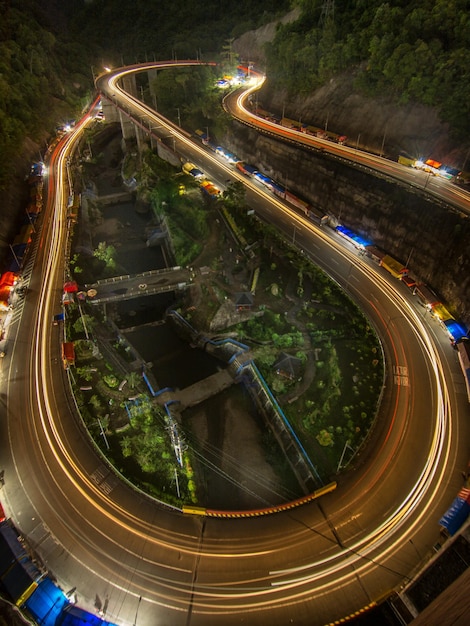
[(127, 127), (152, 78)]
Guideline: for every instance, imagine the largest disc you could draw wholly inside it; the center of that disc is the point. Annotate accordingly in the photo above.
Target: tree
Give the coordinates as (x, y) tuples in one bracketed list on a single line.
[(106, 253), (235, 195), (133, 379), (84, 322)]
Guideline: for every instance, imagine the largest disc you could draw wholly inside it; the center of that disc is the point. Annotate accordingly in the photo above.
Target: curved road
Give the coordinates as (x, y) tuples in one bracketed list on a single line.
[(143, 563), (421, 181)]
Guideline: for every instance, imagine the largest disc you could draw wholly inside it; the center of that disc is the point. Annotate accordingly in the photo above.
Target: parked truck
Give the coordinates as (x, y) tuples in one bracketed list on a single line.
[(396, 269), (403, 160), (68, 354)]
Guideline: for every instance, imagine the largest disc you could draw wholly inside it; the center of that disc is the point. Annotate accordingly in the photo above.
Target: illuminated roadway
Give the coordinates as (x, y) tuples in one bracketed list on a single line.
[(421, 181), (147, 564)]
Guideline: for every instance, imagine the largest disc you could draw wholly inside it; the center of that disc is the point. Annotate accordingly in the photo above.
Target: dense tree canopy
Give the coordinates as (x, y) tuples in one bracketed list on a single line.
[(130, 29), (40, 78), (415, 51)]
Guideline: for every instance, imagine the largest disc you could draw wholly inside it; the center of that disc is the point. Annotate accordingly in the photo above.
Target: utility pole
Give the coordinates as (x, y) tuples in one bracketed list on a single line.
[(383, 141), (177, 484)]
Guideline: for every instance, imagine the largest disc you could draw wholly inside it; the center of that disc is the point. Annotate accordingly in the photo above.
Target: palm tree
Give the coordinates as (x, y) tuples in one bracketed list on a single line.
[(133, 379)]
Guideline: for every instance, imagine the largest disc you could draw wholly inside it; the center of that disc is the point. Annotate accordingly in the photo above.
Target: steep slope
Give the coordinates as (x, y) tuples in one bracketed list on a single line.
[(378, 124)]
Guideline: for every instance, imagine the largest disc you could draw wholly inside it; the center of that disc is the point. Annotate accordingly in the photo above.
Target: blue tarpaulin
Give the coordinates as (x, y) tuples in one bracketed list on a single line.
[(46, 603), (457, 513), (455, 329), (349, 234)]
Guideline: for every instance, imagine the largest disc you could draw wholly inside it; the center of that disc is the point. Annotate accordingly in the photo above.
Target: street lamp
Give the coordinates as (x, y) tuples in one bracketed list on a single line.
[(179, 116), (357, 142), (383, 141)]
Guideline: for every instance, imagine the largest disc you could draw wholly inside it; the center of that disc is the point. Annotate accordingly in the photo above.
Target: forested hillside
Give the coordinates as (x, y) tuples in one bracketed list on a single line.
[(130, 30), (49, 50), (41, 78), (413, 51)]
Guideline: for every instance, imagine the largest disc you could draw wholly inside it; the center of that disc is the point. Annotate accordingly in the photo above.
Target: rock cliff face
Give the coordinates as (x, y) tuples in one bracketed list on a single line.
[(432, 238), (379, 126), (250, 45)]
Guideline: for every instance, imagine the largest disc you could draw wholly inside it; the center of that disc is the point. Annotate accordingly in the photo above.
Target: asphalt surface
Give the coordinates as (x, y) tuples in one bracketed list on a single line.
[(312, 565)]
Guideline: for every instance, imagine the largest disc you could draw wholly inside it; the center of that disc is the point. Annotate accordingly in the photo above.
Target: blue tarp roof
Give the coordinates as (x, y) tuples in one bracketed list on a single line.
[(455, 515), (46, 603), (451, 170), (262, 178), (277, 187), (455, 329), (353, 236)]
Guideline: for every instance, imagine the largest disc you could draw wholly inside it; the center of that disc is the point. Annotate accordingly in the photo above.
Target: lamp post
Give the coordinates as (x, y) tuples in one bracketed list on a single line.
[(179, 116), (383, 141), (427, 179)]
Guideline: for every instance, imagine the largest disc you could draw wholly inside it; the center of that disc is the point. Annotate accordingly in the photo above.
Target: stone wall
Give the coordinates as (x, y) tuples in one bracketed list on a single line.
[(431, 237)]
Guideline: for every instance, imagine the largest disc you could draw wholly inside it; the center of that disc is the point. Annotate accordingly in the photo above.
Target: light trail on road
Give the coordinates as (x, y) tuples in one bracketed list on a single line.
[(292, 563), (420, 180)]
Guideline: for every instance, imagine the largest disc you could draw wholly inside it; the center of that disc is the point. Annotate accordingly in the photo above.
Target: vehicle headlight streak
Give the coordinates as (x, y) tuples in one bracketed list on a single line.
[(42, 382), (302, 579)]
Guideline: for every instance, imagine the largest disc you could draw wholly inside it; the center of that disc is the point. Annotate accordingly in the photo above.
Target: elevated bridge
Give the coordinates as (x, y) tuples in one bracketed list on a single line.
[(138, 285)]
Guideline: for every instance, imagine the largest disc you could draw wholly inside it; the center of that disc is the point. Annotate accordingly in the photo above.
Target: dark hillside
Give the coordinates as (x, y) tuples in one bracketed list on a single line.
[(367, 71), (412, 52), (432, 239), (168, 28), (42, 83)]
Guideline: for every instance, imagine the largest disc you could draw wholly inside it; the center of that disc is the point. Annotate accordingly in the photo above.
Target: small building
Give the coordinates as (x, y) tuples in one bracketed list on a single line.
[(244, 301), (288, 366)]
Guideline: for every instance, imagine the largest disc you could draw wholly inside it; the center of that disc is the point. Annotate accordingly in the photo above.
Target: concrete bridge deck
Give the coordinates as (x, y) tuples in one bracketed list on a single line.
[(199, 392), (137, 285)]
